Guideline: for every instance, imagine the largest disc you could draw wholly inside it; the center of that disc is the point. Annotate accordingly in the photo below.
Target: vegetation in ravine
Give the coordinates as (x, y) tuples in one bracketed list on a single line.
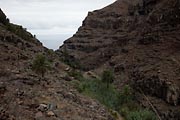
[(107, 77), (121, 101)]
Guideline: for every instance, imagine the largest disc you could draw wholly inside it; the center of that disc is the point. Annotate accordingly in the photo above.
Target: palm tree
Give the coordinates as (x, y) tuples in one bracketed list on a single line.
[(40, 65)]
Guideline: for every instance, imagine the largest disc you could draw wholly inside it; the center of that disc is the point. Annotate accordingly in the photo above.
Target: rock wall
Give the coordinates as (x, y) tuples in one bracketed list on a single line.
[(117, 24), (154, 86), (140, 40)]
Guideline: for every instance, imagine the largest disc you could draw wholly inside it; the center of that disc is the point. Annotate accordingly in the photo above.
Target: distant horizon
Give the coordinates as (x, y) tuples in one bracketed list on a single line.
[(52, 22)]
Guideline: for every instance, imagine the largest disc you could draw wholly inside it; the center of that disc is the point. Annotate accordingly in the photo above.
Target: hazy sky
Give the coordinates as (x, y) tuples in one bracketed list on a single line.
[(53, 21)]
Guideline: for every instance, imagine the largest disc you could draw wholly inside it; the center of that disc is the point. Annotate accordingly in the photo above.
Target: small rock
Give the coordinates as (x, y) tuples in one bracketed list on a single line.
[(91, 74), (50, 113), (52, 106), (67, 69), (43, 107), (20, 102), (67, 78), (91, 106)]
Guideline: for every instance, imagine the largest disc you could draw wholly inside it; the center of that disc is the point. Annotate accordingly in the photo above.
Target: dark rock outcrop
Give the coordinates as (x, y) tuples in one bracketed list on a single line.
[(3, 18)]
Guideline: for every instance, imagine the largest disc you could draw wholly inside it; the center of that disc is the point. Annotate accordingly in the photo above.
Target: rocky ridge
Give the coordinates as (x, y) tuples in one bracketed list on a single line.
[(140, 40)]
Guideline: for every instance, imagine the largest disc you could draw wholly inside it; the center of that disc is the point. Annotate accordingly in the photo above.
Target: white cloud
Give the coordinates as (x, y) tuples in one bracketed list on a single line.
[(50, 17)]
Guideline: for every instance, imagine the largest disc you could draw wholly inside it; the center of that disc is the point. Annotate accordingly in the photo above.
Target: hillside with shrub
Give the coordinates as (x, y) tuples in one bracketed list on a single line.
[(35, 84)]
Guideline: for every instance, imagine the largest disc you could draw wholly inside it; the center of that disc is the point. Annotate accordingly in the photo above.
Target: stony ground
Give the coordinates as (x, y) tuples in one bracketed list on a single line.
[(24, 97)]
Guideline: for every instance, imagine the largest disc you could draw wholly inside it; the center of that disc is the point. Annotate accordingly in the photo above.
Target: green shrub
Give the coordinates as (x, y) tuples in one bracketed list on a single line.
[(51, 55), (107, 77), (141, 115), (124, 111), (40, 65), (98, 90), (126, 95), (75, 84), (128, 107)]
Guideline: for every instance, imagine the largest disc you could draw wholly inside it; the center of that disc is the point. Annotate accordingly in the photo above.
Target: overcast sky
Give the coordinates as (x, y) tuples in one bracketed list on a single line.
[(52, 21)]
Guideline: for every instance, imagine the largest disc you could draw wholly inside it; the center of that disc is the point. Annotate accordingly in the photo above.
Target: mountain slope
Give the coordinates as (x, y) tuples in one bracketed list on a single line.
[(23, 96), (139, 40)]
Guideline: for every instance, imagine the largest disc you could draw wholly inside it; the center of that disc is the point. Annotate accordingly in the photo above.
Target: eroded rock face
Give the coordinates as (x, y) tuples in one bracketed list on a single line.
[(124, 23), (140, 40)]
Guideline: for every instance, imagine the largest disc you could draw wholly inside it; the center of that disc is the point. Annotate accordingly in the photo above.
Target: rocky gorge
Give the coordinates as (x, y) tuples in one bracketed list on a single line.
[(23, 96), (138, 40)]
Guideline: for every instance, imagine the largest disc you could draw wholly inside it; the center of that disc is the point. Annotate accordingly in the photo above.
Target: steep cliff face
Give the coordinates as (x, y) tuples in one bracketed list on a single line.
[(119, 24), (138, 39)]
